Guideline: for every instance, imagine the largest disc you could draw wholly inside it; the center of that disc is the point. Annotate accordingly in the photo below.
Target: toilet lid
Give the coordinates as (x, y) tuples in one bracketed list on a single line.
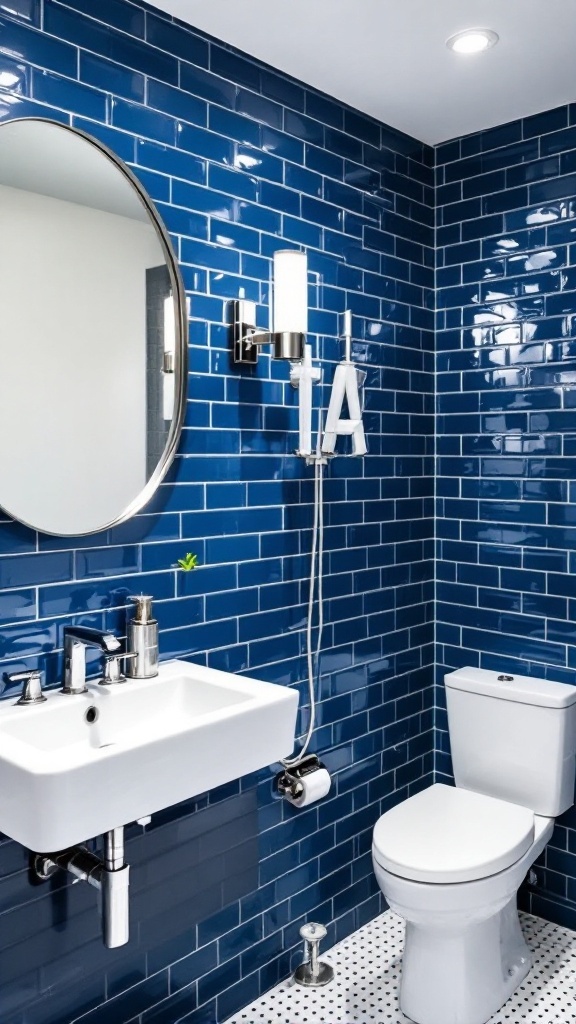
[(445, 835)]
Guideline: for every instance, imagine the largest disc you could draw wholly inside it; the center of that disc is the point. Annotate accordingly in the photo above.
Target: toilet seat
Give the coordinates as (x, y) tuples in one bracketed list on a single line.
[(445, 834)]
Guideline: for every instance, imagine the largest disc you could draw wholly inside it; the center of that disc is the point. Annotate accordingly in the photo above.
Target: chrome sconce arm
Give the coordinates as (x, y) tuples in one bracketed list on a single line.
[(248, 340), (289, 309)]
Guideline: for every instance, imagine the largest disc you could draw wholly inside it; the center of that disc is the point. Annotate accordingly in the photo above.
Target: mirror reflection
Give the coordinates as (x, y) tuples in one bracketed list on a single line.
[(91, 343)]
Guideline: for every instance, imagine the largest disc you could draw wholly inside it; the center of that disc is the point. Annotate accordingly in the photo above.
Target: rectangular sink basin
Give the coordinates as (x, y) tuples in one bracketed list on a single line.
[(77, 766)]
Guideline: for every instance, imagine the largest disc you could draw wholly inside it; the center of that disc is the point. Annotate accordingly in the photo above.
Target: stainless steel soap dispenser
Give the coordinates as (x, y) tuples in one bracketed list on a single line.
[(142, 636)]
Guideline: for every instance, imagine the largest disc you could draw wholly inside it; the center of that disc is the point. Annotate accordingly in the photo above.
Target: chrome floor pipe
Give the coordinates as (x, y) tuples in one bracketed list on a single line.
[(313, 972), (110, 876)]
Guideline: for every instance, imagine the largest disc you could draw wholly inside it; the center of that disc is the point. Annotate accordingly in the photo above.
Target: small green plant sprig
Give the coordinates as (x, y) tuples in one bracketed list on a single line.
[(189, 562)]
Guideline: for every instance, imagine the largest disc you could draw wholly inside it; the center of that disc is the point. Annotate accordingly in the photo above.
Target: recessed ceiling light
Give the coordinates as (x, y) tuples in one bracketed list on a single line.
[(472, 40)]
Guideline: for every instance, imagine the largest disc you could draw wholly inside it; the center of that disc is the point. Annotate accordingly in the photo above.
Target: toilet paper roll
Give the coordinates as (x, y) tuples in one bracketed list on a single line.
[(315, 786)]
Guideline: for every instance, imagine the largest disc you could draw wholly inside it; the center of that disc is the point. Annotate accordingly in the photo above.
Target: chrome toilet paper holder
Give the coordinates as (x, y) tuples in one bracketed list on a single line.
[(289, 782)]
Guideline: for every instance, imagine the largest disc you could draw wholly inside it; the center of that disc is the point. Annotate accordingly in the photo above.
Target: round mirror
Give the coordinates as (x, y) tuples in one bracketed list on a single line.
[(93, 334)]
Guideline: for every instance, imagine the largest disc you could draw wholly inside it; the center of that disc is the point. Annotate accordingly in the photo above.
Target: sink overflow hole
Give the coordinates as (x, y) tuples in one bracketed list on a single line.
[(91, 715)]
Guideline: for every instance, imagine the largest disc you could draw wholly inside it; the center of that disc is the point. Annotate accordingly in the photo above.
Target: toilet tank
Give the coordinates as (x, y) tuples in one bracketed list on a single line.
[(513, 737)]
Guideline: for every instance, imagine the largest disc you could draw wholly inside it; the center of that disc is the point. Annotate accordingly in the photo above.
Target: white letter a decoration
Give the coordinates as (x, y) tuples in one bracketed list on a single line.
[(345, 385)]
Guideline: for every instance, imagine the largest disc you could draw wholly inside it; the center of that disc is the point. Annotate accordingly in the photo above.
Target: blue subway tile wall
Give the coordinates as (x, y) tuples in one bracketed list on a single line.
[(241, 161), (506, 422)]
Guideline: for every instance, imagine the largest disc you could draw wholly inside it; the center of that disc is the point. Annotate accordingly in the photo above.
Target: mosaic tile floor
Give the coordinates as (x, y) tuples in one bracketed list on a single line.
[(367, 966)]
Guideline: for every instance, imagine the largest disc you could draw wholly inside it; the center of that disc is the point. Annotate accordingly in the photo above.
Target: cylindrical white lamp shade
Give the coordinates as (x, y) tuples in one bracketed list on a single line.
[(290, 291)]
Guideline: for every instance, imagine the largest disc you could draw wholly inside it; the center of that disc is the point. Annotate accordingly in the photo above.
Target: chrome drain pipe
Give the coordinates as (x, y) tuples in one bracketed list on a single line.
[(115, 881), (109, 876)]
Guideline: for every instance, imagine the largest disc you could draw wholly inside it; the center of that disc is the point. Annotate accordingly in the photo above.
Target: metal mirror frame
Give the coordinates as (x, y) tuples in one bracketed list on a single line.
[(180, 326)]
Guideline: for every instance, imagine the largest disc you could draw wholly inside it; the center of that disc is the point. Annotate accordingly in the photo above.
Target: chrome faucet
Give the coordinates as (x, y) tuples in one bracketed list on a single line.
[(76, 640)]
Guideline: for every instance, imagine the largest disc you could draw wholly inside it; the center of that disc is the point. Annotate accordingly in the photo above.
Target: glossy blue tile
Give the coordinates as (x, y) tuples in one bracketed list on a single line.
[(150, 123), (218, 980), (231, 287), (121, 143), (207, 86), (256, 217), (549, 121), (528, 491), (114, 13), (568, 162), (18, 74), (259, 107), (304, 234), (343, 195), (176, 39), (75, 598), (17, 605), (248, 515), (102, 40), (324, 109), (320, 160), (236, 183), (555, 188), (28, 11), (305, 128), (132, 1002), (235, 236), (109, 561), (168, 160), (259, 163), (35, 569), (36, 48), (235, 67), (215, 257), (281, 144), (110, 77), (192, 967), (362, 127), (278, 87), (380, 240), (279, 198), (232, 549), (173, 1007), (61, 92), (14, 537), (505, 200), (173, 101), (501, 136), (558, 141), (225, 495), (235, 126)]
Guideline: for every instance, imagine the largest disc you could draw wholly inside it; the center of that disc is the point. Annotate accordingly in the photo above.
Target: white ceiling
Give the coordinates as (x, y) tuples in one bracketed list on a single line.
[(389, 59)]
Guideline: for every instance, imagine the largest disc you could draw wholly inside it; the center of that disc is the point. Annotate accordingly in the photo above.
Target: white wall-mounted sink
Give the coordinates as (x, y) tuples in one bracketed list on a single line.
[(154, 743)]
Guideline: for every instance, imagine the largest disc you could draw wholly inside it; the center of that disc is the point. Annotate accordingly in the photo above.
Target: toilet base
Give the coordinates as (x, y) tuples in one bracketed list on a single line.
[(465, 974), (464, 952)]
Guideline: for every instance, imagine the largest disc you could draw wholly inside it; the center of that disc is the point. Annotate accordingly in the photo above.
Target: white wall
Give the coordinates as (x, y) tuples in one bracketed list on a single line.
[(72, 361)]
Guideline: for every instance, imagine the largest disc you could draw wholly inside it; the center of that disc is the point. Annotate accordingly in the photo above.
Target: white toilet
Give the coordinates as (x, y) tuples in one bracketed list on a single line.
[(450, 860)]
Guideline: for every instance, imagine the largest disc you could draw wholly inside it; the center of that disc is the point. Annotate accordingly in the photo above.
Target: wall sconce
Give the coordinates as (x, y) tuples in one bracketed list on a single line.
[(290, 313)]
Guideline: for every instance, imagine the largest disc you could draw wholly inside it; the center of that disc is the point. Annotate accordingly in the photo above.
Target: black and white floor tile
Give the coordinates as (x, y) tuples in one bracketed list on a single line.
[(367, 970)]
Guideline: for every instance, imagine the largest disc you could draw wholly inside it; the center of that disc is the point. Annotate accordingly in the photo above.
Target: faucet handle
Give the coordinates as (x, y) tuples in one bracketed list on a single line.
[(112, 669), (32, 688)]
